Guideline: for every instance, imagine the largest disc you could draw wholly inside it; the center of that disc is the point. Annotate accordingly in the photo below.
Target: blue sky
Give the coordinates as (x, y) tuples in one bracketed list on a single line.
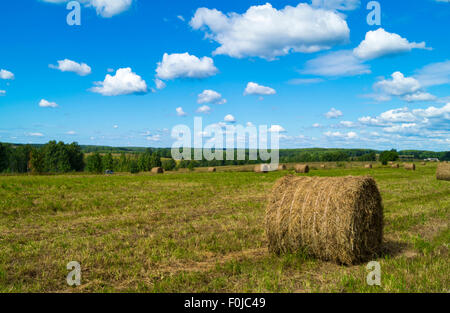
[(314, 69)]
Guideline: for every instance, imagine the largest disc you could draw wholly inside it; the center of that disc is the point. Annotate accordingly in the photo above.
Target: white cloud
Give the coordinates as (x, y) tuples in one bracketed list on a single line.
[(399, 85), (434, 74), (154, 138), (229, 118), (124, 82), (210, 96), (159, 84), (343, 5), (71, 132), (204, 109), (116, 126), (333, 113), (379, 43), (184, 65), (4, 74), (67, 65), (255, 89), (104, 8), (2, 92), (305, 81), (36, 134), (249, 124), (180, 111), (349, 135), (47, 104), (276, 129), (181, 18), (316, 125), (339, 63), (348, 124), (266, 32), (419, 96)]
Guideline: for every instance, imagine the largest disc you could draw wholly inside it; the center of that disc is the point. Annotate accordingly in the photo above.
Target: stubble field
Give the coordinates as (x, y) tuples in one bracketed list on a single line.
[(204, 232)]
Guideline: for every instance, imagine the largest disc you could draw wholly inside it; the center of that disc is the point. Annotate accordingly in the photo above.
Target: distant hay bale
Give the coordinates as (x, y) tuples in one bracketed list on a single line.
[(262, 168), (443, 171), (301, 168), (368, 166), (424, 163), (322, 166), (391, 163), (395, 165), (282, 167), (212, 169), (410, 166), (157, 170), (336, 219)]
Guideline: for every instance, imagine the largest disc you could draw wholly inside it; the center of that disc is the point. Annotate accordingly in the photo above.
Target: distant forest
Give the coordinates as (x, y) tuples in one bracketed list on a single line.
[(58, 157)]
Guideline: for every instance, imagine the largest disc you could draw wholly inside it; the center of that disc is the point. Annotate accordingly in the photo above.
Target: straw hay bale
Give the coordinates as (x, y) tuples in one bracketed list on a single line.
[(443, 171), (157, 170), (262, 168), (301, 168), (410, 166), (322, 166), (332, 218), (282, 167), (212, 169), (395, 165), (368, 166)]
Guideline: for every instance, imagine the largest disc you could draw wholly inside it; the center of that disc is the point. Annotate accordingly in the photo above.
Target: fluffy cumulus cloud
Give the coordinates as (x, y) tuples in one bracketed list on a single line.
[(204, 109), (256, 89), (104, 8), (333, 113), (36, 134), (339, 135), (159, 84), (124, 82), (342, 5), (339, 63), (265, 32), (67, 65), (399, 85), (277, 129), (210, 96), (379, 43), (180, 111), (419, 96), (229, 118), (184, 65), (4, 74), (47, 104)]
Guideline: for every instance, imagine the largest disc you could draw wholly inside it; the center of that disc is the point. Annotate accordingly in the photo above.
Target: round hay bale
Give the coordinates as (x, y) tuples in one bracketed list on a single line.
[(443, 171), (336, 219), (262, 168), (368, 166), (322, 166), (301, 168), (282, 167), (395, 165), (424, 163), (410, 166), (157, 170), (212, 169)]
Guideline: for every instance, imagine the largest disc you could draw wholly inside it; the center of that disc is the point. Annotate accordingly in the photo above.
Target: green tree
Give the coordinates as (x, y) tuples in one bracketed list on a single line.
[(108, 162), (169, 165), (155, 160), (4, 157), (94, 163), (37, 161), (387, 156), (134, 167)]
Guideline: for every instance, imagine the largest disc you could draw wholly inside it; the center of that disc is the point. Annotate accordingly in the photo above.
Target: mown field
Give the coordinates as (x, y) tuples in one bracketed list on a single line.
[(203, 232)]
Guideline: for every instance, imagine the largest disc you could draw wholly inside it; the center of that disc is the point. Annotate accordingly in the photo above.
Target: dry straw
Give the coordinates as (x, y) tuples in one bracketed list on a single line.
[(443, 171), (368, 166), (332, 218), (157, 170), (282, 167), (301, 168), (322, 166), (410, 166), (212, 169), (262, 168), (395, 165)]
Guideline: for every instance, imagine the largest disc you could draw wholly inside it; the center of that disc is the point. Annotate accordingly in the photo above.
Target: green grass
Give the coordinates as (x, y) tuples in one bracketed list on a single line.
[(203, 232)]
